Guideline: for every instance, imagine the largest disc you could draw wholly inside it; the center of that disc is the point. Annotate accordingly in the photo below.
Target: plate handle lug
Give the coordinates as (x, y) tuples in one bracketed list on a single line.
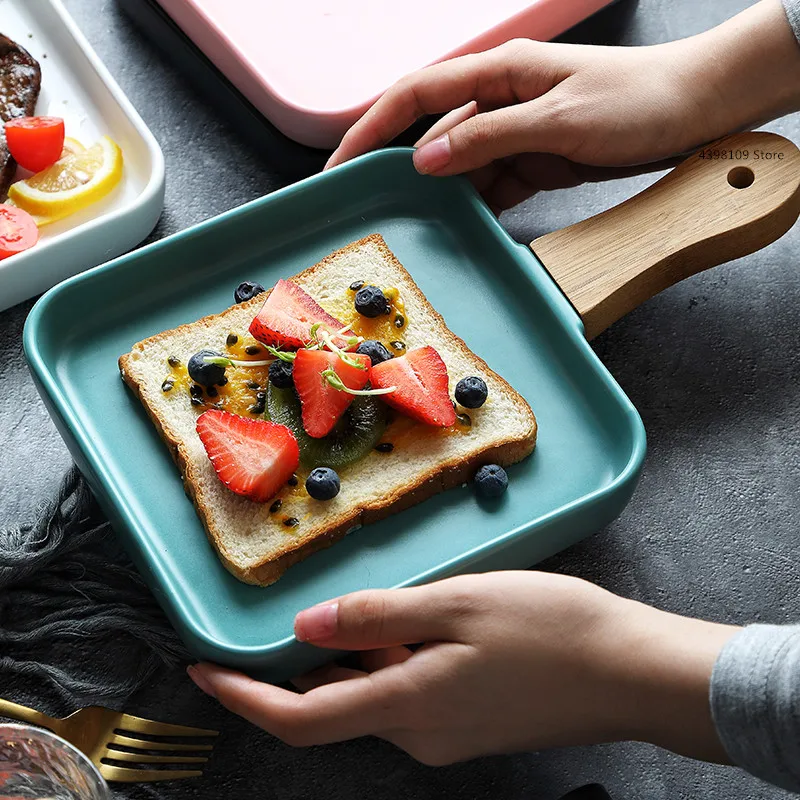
[(726, 201)]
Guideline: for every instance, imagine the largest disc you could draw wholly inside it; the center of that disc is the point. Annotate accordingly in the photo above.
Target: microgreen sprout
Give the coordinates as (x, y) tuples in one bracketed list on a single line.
[(322, 337), (289, 357), (222, 361), (337, 383), (318, 333), (348, 359)]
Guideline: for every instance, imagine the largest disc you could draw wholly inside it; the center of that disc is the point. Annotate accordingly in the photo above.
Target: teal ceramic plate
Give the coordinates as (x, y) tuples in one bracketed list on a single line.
[(492, 292)]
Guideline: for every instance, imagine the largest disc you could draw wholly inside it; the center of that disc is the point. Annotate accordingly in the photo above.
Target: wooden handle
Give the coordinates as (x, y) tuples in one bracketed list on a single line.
[(24, 714), (707, 211)]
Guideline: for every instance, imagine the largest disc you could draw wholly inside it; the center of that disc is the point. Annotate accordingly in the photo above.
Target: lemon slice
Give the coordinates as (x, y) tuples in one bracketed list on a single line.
[(72, 147), (75, 181)]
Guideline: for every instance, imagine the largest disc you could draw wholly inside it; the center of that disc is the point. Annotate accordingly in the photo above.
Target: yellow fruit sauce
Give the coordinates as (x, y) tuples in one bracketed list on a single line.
[(388, 328), (295, 489), (241, 394), (402, 430)]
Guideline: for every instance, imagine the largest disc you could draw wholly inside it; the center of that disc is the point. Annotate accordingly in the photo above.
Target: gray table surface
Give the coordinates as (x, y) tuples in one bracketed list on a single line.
[(712, 365)]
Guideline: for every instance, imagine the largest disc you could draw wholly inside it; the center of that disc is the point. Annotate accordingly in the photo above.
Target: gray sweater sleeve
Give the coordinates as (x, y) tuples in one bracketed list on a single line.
[(793, 12), (755, 702), (755, 685)]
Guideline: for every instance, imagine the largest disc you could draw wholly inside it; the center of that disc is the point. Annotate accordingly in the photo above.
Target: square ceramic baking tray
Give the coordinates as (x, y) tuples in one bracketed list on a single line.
[(491, 291), (77, 87), (312, 67), (526, 310)]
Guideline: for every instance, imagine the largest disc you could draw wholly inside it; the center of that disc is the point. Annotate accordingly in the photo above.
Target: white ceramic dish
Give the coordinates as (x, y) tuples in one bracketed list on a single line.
[(77, 87)]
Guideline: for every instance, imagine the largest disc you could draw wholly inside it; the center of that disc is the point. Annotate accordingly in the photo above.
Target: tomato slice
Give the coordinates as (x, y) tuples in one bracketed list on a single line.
[(18, 231), (35, 142)]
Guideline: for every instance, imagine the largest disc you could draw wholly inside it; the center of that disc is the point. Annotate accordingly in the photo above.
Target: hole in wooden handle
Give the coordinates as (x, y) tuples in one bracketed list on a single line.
[(741, 177)]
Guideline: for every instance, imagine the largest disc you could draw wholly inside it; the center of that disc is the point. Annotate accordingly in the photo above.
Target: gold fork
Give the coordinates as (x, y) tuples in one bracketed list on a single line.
[(100, 732)]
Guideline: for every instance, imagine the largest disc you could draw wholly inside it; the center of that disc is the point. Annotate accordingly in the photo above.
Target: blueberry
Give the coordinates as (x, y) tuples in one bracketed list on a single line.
[(376, 351), (471, 392), (491, 481), (371, 302), (203, 373), (323, 484), (247, 291), (280, 374)]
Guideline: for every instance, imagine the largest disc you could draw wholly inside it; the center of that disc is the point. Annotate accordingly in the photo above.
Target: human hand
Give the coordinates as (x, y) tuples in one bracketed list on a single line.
[(512, 661), (530, 116)]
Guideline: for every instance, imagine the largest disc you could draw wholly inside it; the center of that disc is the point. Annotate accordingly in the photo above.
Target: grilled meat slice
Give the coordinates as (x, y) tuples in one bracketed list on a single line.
[(20, 82)]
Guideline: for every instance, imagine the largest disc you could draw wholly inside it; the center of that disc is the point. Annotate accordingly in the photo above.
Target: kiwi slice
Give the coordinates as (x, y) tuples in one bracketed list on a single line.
[(352, 438)]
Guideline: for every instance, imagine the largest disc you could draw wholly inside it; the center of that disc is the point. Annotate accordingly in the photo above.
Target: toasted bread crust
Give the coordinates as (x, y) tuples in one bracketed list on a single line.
[(439, 477)]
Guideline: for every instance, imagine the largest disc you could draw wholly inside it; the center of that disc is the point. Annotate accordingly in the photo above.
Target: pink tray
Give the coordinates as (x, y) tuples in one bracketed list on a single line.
[(313, 67)]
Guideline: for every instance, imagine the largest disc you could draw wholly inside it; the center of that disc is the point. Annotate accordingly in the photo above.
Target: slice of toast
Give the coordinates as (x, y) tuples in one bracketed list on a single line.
[(254, 540)]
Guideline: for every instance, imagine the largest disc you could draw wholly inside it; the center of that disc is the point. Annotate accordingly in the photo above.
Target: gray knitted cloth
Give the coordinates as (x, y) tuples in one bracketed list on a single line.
[(63, 578)]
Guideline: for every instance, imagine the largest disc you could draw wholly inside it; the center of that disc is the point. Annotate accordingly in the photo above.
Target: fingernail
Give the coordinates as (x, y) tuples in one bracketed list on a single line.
[(201, 681), (317, 623), (333, 161), (433, 156)]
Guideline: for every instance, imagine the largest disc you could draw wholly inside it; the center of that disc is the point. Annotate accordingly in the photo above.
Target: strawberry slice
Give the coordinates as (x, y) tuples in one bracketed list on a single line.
[(252, 457), (286, 318), (422, 390), (322, 404)]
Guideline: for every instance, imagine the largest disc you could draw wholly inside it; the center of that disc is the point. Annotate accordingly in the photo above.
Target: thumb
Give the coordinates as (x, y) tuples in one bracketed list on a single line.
[(481, 139), (376, 619)]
